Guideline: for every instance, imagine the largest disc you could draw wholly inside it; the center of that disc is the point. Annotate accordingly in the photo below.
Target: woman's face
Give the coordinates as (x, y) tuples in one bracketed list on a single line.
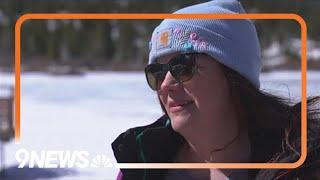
[(201, 103)]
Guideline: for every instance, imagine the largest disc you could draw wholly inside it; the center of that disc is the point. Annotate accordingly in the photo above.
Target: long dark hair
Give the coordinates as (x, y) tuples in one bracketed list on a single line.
[(274, 127), (273, 122)]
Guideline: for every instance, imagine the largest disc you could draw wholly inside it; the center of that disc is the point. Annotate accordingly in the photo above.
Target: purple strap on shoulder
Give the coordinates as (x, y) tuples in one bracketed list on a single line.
[(120, 176)]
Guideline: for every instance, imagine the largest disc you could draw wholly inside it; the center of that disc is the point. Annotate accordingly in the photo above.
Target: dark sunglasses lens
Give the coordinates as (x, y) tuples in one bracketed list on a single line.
[(183, 67), (155, 74)]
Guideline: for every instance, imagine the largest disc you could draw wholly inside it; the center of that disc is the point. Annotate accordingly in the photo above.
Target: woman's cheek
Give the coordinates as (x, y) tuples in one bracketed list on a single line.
[(163, 100)]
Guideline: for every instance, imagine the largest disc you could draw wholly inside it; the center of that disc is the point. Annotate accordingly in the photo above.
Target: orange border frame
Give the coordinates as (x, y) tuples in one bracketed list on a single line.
[(295, 17)]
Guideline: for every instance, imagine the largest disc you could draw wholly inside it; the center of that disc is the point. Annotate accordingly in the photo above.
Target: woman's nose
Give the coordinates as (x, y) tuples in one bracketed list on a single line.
[(169, 83)]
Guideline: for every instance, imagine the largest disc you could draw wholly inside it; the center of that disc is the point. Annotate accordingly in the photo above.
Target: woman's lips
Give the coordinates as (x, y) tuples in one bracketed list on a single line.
[(176, 107)]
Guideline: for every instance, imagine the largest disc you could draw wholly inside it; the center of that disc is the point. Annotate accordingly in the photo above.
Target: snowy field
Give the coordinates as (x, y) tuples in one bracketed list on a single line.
[(88, 112)]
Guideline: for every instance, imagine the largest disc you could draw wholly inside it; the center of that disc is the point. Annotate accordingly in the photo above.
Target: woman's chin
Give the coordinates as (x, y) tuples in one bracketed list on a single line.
[(180, 122)]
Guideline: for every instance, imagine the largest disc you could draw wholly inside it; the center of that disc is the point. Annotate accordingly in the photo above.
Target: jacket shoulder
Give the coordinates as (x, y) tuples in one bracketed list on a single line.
[(125, 146)]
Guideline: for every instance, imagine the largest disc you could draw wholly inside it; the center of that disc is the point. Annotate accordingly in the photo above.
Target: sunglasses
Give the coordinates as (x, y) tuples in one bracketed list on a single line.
[(182, 67)]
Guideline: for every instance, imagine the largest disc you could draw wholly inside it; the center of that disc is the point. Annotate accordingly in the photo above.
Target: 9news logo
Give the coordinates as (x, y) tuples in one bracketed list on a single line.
[(61, 159)]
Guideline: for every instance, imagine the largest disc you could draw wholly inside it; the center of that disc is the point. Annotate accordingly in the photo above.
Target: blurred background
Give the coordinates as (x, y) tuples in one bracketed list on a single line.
[(82, 81), (110, 45)]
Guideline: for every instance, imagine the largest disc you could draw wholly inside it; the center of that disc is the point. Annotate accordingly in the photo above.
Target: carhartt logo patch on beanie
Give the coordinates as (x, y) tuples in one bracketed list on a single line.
[(232, 42)]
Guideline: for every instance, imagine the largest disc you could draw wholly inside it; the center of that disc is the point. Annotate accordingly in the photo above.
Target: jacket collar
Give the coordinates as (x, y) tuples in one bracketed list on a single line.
[(156, 142)]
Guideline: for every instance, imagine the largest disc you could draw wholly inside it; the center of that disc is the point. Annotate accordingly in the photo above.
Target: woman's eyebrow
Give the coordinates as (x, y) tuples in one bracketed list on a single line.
[(166, 59), (163, 60)]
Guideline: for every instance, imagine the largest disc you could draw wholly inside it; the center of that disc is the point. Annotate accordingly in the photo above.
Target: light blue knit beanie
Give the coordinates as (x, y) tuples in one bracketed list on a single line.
[(231, 42)]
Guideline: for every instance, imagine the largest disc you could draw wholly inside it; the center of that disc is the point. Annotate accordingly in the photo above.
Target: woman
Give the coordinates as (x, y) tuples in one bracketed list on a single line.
[(206, 75)]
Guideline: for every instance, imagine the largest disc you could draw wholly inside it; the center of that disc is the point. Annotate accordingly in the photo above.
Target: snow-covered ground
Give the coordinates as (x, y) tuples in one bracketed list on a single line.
[(88, 112)]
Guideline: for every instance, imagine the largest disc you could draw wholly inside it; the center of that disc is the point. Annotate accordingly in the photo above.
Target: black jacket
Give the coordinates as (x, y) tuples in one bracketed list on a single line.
[(158, 142)]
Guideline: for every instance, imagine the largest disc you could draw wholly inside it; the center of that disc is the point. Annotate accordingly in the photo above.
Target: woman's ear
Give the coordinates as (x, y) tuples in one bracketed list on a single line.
[(233, 83)]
